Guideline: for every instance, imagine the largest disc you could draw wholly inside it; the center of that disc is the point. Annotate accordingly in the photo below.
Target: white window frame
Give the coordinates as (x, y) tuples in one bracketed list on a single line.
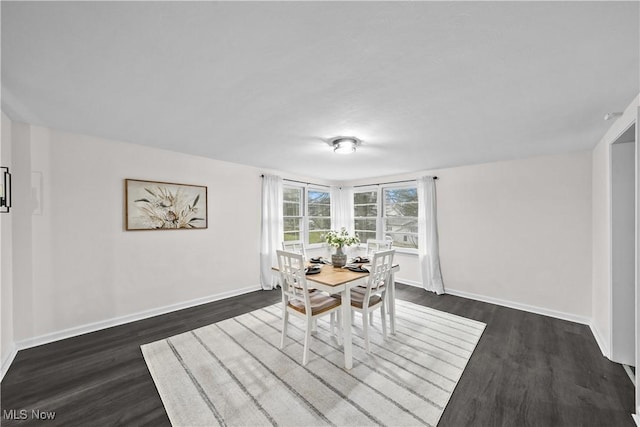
[(304, 224), (306, 213), (398, 186), (380, 234), (302, 199), (368, 189)]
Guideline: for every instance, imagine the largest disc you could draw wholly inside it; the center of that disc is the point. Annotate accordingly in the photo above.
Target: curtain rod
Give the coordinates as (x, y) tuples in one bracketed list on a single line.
[(392, 182), (301, 182)]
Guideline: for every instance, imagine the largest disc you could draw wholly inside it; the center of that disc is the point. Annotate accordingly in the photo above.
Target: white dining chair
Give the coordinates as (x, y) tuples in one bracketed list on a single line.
[(371, 297), (299, 301), (374, 246), (296, 246)]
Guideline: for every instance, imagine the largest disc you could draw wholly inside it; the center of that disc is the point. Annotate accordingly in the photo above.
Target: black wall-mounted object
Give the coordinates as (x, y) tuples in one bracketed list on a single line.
[(5, 190)]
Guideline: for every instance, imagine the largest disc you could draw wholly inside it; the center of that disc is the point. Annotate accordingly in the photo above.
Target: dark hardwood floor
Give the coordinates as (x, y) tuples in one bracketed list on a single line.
[(527, 370)]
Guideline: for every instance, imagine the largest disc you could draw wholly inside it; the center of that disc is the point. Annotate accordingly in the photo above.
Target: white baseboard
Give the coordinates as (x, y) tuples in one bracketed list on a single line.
[(524, 307), (511, 304), (408, 282), (6, 362), (96, 326), (604, 347)]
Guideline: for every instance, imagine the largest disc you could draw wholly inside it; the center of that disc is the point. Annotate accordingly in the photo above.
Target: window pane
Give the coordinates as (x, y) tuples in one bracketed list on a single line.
[(292, 212), (365, 197), (364, 235), (290, 194), (319, 214), (319, 224), (291, 236), (292, 224), (365, 224), (401, 202), (319, 197), (316, 236), (365, 210), (400, 220), (404, 225), (401, 209), (319, 210), (291, 209), (403, 240)]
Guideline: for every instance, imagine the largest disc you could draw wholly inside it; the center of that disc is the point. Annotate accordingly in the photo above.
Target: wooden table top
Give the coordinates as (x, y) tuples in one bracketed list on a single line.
[(332, 276), (336, 276)]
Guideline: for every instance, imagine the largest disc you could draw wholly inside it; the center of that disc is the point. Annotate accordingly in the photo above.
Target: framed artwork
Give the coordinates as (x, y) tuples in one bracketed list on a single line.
[(155, 205)]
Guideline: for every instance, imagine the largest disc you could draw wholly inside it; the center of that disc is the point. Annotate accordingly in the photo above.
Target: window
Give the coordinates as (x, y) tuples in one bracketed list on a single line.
[(365, 213), (307, 213), (400, 216), (292, 209), (387, 212), (318, 214)]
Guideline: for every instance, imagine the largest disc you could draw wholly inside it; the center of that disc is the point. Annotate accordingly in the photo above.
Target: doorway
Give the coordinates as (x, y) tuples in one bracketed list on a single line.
[(623, 256)]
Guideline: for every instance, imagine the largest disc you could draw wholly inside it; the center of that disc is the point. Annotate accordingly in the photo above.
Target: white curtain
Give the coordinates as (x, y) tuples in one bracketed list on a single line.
[(428, 250), (342, 208), (272, 230)]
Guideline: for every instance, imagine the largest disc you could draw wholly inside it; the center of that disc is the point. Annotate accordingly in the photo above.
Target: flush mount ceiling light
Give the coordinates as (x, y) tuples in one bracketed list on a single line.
[(610, 116), (345, 144)]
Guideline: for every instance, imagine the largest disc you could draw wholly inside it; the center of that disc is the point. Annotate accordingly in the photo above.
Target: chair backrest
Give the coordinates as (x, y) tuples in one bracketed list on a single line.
[(374, 245), (296, 246), (379, 270), (292, 274)]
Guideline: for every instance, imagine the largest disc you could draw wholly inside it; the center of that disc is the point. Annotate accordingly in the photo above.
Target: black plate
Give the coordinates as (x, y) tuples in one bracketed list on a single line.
[(312, 270)]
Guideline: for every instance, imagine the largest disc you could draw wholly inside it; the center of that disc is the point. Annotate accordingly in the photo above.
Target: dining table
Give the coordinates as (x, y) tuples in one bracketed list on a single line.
[(340, 280)]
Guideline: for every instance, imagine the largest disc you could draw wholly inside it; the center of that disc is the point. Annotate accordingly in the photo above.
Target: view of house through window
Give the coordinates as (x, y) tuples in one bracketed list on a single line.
[(400, 216), (307, 213), (387, 212)]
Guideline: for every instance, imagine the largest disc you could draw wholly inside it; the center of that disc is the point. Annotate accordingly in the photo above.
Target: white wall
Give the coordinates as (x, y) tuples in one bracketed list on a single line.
[(601, 297), (7, 345), (75, 266), (517, 233)]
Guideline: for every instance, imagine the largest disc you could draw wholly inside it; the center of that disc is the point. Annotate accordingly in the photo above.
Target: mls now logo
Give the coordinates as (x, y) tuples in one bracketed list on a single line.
[(23, 414)]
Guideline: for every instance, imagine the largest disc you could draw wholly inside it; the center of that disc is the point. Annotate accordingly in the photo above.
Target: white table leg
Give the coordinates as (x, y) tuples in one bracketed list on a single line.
[(346, 327), (392, 304)]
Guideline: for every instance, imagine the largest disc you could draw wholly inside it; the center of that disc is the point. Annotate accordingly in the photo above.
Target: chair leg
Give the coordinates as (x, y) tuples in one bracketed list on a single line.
[(371, 318), (339, 334), (314, 327), (307, 339), (383, 317), (365, 330), (285, 321), (332, 323)]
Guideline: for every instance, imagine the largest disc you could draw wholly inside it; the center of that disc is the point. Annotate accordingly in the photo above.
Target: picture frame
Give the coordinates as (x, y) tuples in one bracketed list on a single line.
[(159, 205)]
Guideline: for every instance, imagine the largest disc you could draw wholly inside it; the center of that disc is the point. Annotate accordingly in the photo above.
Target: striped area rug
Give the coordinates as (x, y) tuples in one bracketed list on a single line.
[(233, 373)]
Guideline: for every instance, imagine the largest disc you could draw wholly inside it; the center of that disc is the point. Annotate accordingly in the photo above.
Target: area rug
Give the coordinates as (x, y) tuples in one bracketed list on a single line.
[(232, 373)]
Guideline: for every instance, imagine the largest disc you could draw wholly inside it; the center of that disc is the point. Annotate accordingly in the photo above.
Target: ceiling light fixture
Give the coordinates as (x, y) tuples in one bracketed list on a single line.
[(610, 116), (345, 144)]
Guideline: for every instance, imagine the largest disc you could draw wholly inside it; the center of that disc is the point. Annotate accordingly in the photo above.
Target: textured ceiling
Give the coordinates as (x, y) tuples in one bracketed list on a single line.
[(425, 85)]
